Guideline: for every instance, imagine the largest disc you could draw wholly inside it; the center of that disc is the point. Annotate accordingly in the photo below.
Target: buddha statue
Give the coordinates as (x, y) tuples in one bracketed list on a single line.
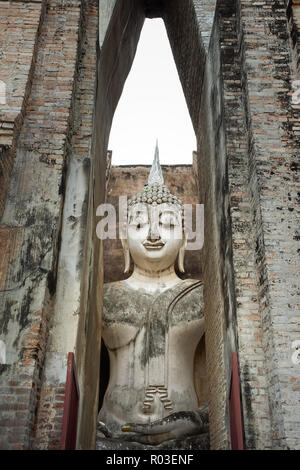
[(152, 323)]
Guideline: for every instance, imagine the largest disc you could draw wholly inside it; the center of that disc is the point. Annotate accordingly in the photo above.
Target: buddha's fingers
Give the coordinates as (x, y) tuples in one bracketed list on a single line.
[(153, 428), (178, 424)]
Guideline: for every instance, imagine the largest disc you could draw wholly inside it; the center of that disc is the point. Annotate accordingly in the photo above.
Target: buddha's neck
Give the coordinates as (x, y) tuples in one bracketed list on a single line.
[(153, 280)]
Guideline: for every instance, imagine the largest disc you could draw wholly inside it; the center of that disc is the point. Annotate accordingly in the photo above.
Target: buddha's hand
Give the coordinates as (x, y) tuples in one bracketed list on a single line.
[(175, 426)]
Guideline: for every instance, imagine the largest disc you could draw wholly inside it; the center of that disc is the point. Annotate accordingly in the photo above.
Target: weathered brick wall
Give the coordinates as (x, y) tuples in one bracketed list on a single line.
[(252, 192), (73, 329), (19, 29), (70, 313), (273, 150), (19, 388), (240, 237), (87, 340), (248, 322), (205, 13), (33, 210), (212, 173)]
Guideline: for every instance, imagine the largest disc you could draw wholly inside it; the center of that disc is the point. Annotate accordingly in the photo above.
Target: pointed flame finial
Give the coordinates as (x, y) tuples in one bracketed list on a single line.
[(155, 192), (156, 176)]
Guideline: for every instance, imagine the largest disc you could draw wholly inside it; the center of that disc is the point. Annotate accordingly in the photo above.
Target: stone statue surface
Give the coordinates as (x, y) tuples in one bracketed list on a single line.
[(152, 323)]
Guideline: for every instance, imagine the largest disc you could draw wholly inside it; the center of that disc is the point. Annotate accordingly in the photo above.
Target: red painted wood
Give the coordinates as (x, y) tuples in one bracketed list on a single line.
[(69, 428), (236, 426)]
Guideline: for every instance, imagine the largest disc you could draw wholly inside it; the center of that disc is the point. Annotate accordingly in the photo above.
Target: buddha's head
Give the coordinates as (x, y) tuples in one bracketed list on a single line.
[(155, 231)]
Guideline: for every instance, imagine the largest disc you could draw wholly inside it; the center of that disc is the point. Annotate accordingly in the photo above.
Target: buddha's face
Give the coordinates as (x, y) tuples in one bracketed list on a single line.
[(154, 235)]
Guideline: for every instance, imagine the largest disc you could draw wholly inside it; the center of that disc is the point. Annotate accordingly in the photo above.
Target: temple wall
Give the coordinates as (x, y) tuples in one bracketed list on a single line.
[(20, 24), (71, 323), (224, 174), (273, 127), (32, 224), (251, 192)]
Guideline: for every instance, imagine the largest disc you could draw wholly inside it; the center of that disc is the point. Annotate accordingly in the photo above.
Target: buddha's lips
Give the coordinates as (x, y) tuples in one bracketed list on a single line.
[(153, 246)]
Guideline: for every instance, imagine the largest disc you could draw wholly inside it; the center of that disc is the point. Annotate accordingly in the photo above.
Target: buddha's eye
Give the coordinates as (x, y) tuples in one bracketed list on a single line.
[(167, 223), (168, 220), (138, 220), (139, 223)]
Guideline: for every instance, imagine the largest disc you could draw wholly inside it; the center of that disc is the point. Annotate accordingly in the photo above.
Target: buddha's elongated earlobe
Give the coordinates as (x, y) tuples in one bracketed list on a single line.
[(126, 255), (182, 252)]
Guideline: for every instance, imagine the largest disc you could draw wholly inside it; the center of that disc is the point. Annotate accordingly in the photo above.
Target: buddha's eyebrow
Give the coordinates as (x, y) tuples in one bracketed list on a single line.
[(138, 214), (169, 212)]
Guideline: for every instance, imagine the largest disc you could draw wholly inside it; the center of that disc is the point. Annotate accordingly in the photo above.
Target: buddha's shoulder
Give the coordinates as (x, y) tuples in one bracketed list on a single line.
[(189, 295), (192, 286), (113, 286), (193, 282)]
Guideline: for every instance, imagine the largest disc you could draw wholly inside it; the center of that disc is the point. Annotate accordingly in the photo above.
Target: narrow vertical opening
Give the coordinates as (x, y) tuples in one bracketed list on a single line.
[(152, 106)]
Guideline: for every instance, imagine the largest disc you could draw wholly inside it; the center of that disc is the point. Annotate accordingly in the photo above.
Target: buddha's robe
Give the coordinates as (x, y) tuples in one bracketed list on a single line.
[(151, 340)]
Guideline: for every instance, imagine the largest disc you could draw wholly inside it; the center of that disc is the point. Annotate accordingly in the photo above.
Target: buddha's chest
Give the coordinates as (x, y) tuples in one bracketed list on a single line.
[(151, 320), (153, 335)]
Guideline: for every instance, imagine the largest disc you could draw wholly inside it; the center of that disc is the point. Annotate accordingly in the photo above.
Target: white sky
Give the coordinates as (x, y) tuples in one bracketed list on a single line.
[(152, 106)]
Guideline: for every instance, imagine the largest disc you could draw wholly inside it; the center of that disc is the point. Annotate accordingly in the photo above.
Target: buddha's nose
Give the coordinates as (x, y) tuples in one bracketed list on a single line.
[(153, 234)]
